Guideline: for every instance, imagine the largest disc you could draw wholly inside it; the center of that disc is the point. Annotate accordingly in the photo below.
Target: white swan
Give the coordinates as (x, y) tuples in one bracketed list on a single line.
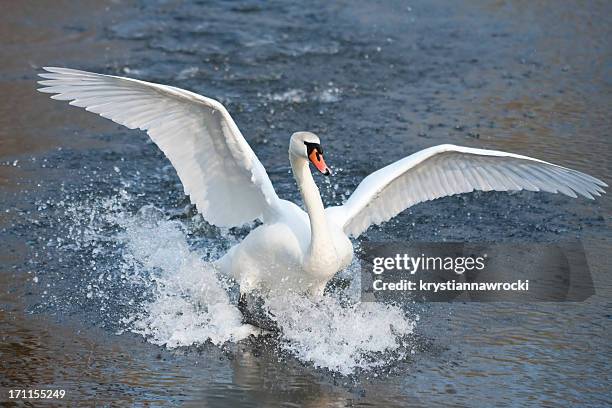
[(292, 249)]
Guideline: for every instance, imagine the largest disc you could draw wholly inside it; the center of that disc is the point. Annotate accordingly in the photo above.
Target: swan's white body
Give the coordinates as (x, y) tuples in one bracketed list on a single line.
[(277, 256), (293, 249)]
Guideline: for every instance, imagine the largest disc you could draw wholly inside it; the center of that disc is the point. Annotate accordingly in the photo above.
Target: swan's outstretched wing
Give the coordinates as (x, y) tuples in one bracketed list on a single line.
[(446, 170), (216, 165)]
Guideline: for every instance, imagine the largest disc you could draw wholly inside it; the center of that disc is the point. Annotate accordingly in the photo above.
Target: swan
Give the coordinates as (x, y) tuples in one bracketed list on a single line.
[(292, 249)]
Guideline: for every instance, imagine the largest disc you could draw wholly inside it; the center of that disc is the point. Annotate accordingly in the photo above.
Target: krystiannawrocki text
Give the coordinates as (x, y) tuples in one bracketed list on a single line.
[(408, 285)]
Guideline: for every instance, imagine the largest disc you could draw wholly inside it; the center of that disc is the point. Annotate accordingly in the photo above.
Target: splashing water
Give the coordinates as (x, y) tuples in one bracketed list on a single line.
[(340, 338), (188, 304)]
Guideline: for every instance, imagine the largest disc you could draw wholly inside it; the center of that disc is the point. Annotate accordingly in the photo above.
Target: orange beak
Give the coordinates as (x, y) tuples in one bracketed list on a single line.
[(316, 158)]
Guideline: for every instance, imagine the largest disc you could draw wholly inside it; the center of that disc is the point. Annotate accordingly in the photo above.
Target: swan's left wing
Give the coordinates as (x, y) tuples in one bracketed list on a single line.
[(216, 165), (445, 170)]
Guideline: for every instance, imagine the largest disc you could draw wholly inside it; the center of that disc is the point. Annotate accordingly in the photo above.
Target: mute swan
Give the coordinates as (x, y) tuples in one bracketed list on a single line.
[(293, 249)]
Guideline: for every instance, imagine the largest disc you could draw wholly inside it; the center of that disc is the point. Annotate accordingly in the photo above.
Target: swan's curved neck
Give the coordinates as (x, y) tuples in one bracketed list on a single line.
[(320, 240)]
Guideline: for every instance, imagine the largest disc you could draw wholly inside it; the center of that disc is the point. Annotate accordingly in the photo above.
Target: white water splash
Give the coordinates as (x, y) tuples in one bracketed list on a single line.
[(190, 305), (340, 338), (328, 95)]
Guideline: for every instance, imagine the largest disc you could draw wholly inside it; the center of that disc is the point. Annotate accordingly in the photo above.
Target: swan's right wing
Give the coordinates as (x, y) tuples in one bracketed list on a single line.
[(445, 170), (217, 167)]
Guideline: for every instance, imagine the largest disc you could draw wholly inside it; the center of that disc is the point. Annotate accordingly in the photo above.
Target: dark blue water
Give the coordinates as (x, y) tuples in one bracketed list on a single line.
[(377, 81)]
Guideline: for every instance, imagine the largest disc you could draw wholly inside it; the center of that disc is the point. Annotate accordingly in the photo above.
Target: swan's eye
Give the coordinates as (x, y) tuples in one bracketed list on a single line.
[(315, 155), (314, 147)]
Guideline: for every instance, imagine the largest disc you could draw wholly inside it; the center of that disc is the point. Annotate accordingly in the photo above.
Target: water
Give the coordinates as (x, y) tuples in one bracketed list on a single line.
[(106, 286)]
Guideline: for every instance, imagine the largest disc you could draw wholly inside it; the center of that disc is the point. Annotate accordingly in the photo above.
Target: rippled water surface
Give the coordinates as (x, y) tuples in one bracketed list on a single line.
[(105, 286)]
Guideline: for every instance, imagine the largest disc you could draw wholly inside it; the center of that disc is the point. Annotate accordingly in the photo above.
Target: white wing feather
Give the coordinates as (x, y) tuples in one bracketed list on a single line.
[(217, 167), (445, 170)]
